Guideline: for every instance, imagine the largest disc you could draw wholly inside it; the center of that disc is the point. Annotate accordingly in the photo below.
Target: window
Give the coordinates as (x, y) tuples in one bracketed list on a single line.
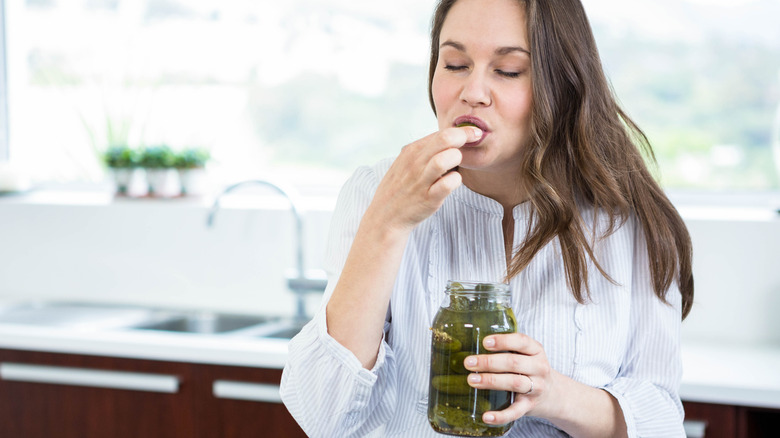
[(313, 88), (702, 78), (310, 87)]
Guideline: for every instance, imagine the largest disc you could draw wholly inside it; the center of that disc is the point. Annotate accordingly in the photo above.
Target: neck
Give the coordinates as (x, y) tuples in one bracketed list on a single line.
[(505, 189)]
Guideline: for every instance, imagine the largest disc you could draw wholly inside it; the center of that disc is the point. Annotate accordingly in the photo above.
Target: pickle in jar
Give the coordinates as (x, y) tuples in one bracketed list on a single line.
[(470, 312)]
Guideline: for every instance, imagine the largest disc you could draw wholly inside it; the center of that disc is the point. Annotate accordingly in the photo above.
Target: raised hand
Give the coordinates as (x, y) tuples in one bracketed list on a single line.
[(421, 178)]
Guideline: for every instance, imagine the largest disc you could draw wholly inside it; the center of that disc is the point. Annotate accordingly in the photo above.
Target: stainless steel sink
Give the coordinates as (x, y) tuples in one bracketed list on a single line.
[(280, 329), (204, 323), (88, 316), (97, 316), (287, 333)]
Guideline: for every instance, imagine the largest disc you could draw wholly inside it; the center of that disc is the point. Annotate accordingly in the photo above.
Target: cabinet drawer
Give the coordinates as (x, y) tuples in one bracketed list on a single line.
[(59, 375), (235, 390)]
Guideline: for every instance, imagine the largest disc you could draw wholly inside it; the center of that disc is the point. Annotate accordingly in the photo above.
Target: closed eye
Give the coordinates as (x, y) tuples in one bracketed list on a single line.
[(508, 74), (455, 67)]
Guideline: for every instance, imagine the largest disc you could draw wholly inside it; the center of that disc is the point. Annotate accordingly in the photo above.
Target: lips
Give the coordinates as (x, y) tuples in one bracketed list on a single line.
[(475, 121)]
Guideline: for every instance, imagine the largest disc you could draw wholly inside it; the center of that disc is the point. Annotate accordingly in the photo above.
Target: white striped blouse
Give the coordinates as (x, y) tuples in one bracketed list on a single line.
[(625, 340)]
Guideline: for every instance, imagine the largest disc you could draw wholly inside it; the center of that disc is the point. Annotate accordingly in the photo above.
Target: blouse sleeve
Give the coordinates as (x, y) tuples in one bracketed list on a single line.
[(324, 385), (647, 385)]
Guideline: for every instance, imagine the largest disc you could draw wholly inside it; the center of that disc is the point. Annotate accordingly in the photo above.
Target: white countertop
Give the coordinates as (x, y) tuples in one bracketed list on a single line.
[(745, 375), (140, 344), (722, 374)]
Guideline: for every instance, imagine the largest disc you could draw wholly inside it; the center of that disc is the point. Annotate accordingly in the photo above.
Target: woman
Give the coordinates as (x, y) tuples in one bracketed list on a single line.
[(544, 187)]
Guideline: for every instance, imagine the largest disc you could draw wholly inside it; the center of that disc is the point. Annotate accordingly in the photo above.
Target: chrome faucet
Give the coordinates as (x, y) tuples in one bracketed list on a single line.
[(302, 282)]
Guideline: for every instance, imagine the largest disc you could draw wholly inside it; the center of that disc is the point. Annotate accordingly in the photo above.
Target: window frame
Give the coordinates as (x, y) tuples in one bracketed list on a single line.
[(5, 151)]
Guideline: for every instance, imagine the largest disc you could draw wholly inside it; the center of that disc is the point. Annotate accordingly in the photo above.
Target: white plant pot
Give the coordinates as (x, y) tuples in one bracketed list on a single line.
[(193, 181), (162, 182), (130, 181), (122, 179)]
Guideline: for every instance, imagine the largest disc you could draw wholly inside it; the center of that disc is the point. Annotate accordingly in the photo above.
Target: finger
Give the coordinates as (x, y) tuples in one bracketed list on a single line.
[(419, 153), (504, 363), (457, 137), (446, 138), (518, 409), (517, 342), (442, 163), (518, 383), (445, 185)]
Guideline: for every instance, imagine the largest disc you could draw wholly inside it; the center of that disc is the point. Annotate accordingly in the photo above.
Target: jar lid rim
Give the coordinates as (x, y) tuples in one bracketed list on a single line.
[(476, 286)]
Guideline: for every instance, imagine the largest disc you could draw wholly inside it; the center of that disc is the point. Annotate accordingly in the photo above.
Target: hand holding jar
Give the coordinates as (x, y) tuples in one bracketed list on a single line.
[(484, 375), (519, 365)]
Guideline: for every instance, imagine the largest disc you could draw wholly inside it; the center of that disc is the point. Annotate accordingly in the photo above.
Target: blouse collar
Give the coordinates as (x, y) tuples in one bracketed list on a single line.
[(489, 205)]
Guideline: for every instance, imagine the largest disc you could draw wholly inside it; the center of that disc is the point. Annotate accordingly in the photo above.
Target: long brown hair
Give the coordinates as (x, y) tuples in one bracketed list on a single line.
[(585, 148)]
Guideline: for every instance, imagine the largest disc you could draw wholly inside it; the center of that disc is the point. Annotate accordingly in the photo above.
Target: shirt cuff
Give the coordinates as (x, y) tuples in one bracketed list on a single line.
[(346, 357), (626, 409)]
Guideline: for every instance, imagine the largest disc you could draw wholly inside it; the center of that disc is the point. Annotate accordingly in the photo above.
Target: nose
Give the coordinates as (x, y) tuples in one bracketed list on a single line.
[(476, 91)]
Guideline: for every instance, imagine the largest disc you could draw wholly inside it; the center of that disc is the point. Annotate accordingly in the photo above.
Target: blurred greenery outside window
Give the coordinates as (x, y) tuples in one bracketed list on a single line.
[(308, 90)]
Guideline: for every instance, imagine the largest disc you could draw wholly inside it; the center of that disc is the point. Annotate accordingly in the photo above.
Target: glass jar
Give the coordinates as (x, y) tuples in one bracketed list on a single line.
[(469, 312)]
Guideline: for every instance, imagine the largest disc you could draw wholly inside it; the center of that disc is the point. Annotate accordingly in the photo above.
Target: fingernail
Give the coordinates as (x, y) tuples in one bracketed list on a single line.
[(475, 378), (471, 361), (488, 418), (477, 132), (490, 342)]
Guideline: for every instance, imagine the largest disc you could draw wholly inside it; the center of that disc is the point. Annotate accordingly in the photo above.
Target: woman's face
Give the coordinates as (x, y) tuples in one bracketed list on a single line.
[(483, 76)]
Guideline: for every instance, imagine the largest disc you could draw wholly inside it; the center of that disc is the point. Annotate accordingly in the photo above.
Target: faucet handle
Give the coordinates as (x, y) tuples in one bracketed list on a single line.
[(313, 280), (302, 283)]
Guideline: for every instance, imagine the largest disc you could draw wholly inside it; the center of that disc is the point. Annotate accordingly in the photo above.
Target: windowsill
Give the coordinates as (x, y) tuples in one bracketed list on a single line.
[(727, 206), (755, 207), (730, 213), (97, 198)]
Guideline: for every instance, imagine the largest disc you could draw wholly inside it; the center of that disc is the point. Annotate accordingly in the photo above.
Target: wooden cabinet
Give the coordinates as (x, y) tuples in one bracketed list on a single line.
[(44, 395), (239, 394), (725, 421)]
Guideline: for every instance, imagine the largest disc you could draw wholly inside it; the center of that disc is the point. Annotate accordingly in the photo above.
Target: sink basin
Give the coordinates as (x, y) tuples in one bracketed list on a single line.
[(204, 323), (286, 333), (280, 329), (97, 316), (88, 316)]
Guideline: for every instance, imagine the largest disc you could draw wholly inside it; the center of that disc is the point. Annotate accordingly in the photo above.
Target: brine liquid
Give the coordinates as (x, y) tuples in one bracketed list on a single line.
[(454, 407)]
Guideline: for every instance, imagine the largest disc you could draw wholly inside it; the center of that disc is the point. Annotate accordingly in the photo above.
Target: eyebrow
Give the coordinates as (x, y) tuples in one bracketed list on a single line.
[(501, 51)]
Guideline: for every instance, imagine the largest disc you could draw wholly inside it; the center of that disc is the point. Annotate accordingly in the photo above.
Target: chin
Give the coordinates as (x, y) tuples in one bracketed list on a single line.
[(475, 167), (475, 158)]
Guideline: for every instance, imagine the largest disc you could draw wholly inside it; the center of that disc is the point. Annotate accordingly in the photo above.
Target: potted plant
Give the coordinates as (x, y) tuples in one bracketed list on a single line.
[(158, 161), (123, 161), (191, 165)]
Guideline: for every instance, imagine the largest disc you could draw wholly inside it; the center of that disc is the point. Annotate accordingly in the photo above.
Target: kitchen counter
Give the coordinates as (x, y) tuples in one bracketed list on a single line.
[(720, 374), (222, 349), (729, 374)]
